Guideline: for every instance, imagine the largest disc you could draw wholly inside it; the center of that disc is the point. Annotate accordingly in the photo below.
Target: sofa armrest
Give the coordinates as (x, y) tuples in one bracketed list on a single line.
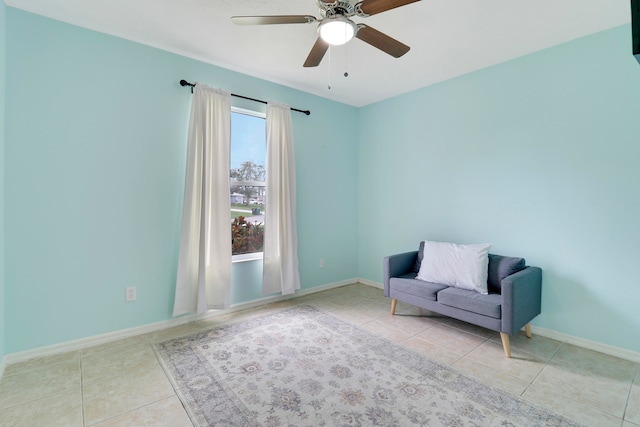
[(521, 298), (397, 265)]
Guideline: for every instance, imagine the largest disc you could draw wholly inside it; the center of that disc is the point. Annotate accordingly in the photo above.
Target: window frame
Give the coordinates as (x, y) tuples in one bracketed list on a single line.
[(253, 256)]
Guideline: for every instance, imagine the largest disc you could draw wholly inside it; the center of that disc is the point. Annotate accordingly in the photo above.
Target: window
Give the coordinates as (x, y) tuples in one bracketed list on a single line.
[(247, 190)]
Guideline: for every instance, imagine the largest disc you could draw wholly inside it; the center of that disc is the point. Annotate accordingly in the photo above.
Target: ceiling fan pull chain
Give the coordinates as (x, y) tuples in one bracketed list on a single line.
[(329, 76), (346, 61)]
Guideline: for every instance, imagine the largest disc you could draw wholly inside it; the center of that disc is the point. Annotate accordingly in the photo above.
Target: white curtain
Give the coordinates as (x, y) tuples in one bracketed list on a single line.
[(204, 263), (280, 273)]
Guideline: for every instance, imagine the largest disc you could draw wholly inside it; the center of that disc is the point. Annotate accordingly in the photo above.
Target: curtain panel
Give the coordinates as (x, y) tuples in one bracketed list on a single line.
[(204, 263), (280, 258)]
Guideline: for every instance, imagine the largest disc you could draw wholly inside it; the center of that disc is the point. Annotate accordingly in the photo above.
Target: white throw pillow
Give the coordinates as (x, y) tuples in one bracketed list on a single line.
[(462, 266)]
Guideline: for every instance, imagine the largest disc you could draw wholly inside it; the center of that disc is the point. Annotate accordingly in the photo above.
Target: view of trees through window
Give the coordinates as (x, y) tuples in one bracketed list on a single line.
[(247, 175)]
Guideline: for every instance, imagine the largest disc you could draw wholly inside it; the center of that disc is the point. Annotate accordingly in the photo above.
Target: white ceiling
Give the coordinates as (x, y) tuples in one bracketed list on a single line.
[(448, 38)]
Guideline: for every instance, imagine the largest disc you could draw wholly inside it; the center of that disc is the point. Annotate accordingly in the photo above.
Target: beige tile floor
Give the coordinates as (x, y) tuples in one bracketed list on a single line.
[(122, 384)]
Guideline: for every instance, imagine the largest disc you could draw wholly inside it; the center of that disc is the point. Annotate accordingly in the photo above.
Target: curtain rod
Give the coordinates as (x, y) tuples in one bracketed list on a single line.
[(192, 85)]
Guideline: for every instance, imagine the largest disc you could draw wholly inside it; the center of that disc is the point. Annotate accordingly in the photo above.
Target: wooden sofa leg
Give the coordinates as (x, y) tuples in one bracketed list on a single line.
[(394, 302), (505, 344), (527, 330)]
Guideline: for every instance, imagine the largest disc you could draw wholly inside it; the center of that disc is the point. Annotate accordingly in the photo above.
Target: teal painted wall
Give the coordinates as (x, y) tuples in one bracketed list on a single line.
[(2, 128), (95, 159), (539, 156), (536, 155)]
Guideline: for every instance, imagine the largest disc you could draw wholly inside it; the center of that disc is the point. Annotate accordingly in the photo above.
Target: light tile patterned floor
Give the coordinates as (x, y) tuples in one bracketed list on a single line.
[(122, 384)]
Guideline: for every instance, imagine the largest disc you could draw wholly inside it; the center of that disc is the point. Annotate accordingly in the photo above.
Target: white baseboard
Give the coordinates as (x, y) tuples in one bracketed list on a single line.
[(82, 343), (370, 283), (139, 330), (622, 353)]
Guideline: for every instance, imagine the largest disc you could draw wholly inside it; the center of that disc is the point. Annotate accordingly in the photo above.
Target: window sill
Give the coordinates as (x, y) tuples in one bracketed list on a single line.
[(256, 256)]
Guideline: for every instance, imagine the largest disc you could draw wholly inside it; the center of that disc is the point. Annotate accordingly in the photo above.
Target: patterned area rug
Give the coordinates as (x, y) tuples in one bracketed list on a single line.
[(304, 367)]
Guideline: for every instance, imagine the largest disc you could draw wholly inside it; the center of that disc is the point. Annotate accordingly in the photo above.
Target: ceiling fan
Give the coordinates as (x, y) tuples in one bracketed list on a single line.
[(335, 26)]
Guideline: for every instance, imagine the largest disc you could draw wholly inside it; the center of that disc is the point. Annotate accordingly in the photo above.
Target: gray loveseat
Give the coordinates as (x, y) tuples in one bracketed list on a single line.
[(513, 299)]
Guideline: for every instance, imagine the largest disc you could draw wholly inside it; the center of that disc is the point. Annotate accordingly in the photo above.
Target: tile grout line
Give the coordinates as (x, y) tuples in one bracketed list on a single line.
[(84, 418), (540, 372), (580, 402), (437, 323), (633, 380), (148, 343)]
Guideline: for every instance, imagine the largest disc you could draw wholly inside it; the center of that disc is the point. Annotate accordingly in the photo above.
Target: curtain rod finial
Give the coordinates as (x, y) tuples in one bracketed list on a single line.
[(186, 83)]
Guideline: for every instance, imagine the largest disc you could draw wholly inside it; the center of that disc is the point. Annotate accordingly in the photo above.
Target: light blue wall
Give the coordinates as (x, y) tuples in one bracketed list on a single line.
[(536, 155), (539, 156), (95, 155), (2, 127)]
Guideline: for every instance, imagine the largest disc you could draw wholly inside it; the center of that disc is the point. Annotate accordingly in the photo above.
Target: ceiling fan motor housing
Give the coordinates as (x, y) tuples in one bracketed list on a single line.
[(343, 8)]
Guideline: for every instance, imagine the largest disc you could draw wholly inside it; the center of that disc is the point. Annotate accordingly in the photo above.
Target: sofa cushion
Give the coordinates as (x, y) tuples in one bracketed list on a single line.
[(501, 267), (408, 284), (486, 305), (462, 266), (416, 267)]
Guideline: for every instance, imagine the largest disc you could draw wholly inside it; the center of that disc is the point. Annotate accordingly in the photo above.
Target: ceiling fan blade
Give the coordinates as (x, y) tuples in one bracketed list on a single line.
[(317, 53), (371, 7), (273, 19), (382, 41)]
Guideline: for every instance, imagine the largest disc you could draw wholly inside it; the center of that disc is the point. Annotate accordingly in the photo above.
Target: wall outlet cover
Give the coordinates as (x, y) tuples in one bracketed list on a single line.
[(131, 294)]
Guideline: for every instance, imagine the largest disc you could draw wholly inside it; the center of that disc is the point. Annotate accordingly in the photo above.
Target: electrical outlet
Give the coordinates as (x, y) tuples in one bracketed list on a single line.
[(321, 263), (131, 294)]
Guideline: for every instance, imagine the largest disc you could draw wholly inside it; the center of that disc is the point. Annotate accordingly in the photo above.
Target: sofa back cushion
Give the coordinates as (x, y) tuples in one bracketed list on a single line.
[(501, 267), (416, 267)]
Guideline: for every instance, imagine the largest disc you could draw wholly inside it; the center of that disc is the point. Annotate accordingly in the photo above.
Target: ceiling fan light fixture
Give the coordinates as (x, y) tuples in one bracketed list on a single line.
[(337, 30)]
